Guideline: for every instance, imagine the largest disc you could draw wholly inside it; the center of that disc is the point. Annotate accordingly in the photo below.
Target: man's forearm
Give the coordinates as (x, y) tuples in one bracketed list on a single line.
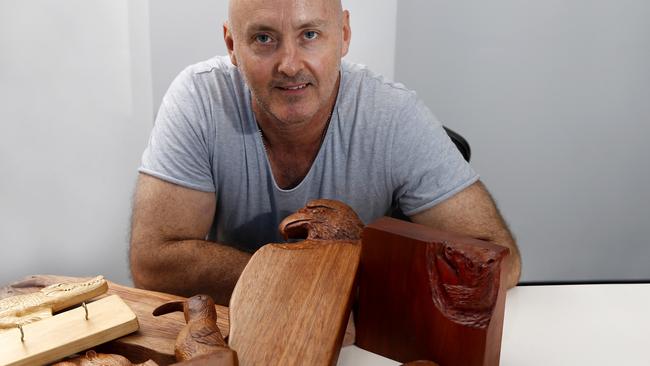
[(188, 267), (473, 212), (512, 263)]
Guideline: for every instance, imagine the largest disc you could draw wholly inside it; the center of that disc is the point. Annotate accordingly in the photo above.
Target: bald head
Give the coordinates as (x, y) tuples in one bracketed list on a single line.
[(242, 9)]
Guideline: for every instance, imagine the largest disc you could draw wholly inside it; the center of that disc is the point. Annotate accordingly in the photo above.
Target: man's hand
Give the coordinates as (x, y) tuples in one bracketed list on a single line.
[(168, 250), (472, 212)]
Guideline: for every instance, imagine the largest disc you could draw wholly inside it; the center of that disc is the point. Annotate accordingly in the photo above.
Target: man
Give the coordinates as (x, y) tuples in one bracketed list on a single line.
[(242, 141)]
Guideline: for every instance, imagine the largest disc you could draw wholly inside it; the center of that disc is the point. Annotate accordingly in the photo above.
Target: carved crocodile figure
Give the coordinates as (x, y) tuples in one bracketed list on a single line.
[(27, 308)]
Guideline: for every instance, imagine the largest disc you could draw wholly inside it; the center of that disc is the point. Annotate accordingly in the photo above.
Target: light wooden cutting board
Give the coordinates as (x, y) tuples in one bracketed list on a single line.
[(292, 303)]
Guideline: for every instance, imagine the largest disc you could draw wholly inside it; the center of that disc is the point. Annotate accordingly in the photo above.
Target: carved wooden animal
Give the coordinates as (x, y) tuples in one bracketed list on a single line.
[(292, 301), (26, 308), (92, 358), (201, 335), (323, 219), (426, 294), (157, 335)]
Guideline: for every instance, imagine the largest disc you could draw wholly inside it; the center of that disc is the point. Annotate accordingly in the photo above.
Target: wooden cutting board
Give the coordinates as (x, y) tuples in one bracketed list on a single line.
[(156, 337), (292, 303), (66, 333)]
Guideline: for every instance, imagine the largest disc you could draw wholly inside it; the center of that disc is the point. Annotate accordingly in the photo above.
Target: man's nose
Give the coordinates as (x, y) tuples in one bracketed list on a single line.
[(290, 61)]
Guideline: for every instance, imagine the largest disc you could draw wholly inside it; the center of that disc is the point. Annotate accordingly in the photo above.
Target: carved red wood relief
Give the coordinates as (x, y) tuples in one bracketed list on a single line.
[(426, 294)]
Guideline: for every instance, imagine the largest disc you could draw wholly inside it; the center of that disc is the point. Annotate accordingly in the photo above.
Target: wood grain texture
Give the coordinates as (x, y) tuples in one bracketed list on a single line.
[(67, 333), (27, 308), (201, 335), (92, 358), (292, 302), (212, 359), (426, 294), (156, 337)]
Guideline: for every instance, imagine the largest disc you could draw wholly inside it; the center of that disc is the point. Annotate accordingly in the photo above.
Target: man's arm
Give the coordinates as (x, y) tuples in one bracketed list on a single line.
[(168, 250), (472, 212)]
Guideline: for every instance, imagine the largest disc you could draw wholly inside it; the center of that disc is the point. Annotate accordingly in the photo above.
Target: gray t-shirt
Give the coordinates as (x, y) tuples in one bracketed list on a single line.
[(382, 147)]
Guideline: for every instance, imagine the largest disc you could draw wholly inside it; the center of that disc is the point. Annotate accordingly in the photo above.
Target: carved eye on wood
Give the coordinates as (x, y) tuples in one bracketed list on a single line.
[(462, 280), (323, 219)]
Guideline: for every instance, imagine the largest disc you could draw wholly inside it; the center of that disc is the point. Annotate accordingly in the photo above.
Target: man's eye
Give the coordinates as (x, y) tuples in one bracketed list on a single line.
[(311, 35), (263, 38)]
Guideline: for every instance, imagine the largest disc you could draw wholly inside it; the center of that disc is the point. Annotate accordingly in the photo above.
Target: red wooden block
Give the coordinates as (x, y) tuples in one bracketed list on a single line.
[(427, 294)]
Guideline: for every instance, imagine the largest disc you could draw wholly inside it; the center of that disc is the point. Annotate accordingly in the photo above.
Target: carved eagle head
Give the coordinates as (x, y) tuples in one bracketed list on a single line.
[(323, 219), (196, 307), (465, 280)]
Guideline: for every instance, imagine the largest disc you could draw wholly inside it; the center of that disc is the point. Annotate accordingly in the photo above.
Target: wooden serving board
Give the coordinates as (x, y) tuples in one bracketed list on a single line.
[(156, 337), (67, 333), (292, 302)]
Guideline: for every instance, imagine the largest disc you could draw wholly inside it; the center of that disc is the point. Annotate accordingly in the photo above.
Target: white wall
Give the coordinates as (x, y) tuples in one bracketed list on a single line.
[(183, 33), (70, 135), (554, 98), (373, 26), (79, 82)]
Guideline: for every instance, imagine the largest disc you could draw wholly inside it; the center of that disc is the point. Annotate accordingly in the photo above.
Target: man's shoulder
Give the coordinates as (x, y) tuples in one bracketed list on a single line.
[(212, 79), (365, 88), (212, 71), (216, 64)]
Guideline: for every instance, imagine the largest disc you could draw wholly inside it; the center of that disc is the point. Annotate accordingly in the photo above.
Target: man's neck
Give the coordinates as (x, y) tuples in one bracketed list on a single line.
[(296, 137), (292, 147)]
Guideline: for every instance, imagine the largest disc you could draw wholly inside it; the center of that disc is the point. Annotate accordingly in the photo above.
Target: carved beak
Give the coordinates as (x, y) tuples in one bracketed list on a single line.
[(169, 307), (448, 274), (295, 226)]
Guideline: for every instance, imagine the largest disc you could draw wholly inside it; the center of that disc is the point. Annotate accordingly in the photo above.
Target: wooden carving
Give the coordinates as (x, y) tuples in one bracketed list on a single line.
[(426, 294), (201, 335), (92, 358), (292, 301), (157, 335), (27, 308), (323, 219)]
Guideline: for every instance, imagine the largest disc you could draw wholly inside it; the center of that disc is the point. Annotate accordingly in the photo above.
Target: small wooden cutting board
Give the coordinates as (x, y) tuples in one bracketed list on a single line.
[(292, 303), (69, 332)]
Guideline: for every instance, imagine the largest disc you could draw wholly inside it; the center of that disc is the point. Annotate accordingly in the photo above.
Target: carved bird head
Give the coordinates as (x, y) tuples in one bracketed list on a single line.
[(200, 335), (467, 265), (465, 280), (197, 307), (323, 219)]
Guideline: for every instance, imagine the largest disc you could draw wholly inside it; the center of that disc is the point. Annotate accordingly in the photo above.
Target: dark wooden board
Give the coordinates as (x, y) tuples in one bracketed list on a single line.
[(426, 294)]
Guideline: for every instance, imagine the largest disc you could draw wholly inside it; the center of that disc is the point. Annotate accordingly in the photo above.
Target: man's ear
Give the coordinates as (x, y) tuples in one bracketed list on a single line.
[(347, 33), (230, 43)]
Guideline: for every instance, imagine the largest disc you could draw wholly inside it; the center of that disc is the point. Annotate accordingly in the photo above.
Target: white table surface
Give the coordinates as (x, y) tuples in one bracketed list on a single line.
[(564, 325)]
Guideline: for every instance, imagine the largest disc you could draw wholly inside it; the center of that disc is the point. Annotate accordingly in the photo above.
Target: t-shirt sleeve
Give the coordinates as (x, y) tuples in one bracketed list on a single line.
[(179, 149), (426, 166)]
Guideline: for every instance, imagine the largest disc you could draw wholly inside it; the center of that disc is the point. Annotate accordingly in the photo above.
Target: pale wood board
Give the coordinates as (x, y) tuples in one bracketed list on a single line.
[(156, 337), (292, 302), (67, 333)]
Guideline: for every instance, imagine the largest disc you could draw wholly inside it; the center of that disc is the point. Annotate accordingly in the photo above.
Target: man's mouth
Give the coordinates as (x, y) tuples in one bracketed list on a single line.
[(293, 87)]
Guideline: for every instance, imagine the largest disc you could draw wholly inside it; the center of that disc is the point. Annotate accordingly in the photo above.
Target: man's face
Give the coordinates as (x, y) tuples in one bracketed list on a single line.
[(289, 52)]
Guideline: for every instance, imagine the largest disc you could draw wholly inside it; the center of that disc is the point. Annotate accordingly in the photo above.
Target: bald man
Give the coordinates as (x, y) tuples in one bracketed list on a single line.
[(242, 141)]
